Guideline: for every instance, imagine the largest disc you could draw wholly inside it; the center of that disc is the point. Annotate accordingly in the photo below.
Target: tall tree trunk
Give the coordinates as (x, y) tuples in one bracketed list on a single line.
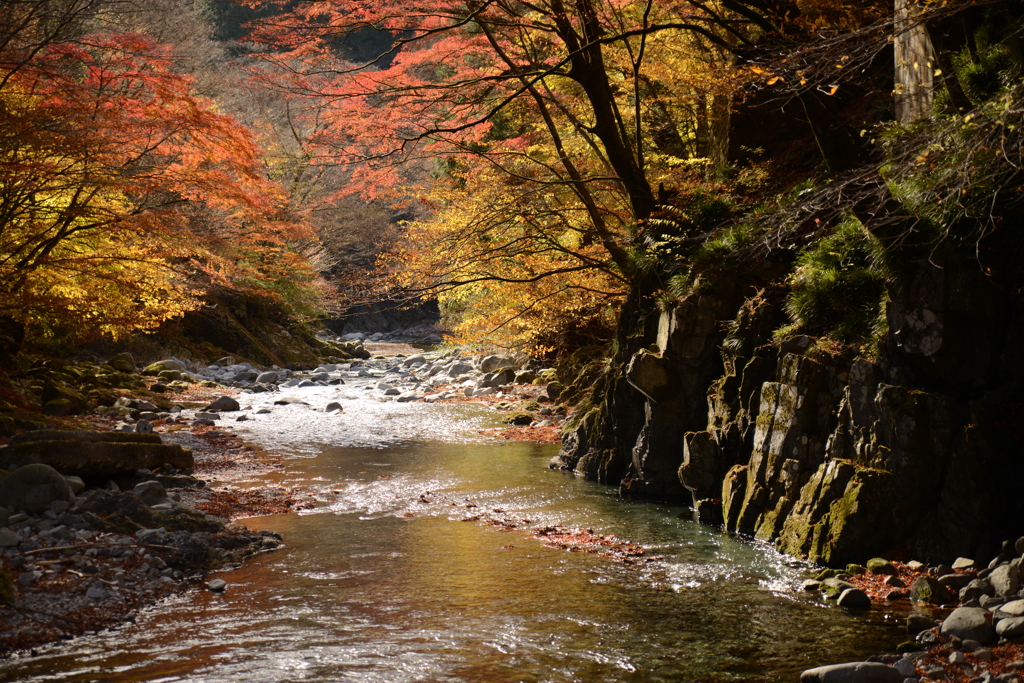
[(915, 65), (718, 148)]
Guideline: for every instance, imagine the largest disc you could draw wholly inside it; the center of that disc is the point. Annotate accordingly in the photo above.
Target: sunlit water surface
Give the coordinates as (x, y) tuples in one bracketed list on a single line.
[(385, 582)]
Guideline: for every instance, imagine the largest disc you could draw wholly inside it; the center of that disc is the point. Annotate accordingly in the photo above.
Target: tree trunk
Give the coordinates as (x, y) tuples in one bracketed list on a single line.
[(718, 148), (914, 66)]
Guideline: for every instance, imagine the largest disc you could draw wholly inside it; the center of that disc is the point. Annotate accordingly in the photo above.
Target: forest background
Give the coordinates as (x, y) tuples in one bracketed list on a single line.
[(547, 171)]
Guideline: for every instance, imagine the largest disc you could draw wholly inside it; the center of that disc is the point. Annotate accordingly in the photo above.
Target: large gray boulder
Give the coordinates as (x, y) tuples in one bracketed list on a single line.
[(1004, 580), (151, 493), (928, 589), (33, 488), (494, 363), (969, 623), (223, 404), (1010, 628), (852, 672)]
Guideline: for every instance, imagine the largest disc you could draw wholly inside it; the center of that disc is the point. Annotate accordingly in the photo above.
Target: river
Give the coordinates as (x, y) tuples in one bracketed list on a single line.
[(385, 580)]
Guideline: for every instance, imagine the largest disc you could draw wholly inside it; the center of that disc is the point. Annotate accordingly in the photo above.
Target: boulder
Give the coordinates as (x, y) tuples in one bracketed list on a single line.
[(223, 404), (495, 363), (879, 565), (151, 493), (461, 369), (76, 484), (33, 488), (852, 672), (59, 399), (955, 581), (123, 362), (969, 623), (333, 406), (919, 622), (854, 598), (9, 539), (134, 404), (928, 589), (93, 454), (161, 365), (834, 587), (268, 378), (1010, 628), (503, 377), (1004, 580), (289, 400), (964, 563), (1014, 607)]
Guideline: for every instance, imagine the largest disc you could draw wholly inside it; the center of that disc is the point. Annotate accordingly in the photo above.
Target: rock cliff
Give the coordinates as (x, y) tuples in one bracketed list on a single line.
[(835, 457)]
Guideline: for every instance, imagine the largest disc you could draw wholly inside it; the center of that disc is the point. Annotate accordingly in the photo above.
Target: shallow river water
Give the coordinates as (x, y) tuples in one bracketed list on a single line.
[(385, 582)]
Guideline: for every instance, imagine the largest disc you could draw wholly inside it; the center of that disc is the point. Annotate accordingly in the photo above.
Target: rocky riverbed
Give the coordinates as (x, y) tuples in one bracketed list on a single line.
[(97, 524), (124, 540)]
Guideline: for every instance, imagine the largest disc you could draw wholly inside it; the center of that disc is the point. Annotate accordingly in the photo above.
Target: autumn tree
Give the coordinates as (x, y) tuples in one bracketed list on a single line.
[(118, 184), (573, 112)]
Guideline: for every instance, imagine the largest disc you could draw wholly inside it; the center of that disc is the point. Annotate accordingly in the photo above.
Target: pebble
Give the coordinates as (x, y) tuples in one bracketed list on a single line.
[(217, 585)]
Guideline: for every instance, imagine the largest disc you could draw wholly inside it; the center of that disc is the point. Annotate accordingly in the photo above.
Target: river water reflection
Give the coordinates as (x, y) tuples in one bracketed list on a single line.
[(385, 582)]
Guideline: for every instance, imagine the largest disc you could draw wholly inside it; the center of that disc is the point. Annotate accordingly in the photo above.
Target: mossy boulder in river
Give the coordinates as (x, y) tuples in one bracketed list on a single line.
[(518, 417)]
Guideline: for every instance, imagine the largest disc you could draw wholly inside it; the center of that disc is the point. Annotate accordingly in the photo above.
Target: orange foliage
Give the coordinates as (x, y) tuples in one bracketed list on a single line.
[(118, 186)]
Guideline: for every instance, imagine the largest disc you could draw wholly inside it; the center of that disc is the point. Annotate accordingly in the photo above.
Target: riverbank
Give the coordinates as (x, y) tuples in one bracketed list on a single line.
[(82, 567), (94, 561)]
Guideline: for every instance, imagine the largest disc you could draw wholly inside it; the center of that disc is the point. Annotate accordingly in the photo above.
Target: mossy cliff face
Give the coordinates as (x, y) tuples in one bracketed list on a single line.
[(916, 452), (630, 431)]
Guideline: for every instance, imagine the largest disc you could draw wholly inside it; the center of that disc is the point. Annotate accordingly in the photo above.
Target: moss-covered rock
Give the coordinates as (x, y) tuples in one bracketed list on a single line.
[(880, 566), (928, 590), (123, 362), (154, 369)]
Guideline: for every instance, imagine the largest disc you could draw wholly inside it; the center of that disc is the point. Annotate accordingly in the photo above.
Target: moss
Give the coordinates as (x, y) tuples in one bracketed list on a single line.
[(880, 566), (828, 573), (838, 285), (518, 417)]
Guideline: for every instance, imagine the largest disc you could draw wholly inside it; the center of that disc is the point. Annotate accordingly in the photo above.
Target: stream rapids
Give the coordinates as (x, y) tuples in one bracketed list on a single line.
[(401, 573)]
